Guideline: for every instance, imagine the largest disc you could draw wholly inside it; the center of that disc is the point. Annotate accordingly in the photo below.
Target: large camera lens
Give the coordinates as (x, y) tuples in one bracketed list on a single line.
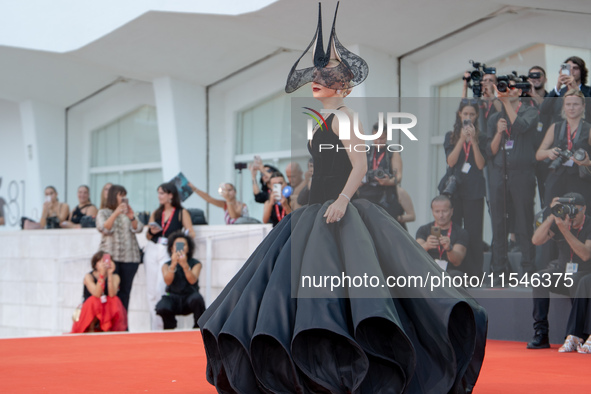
[(502, 86), (476, 75)]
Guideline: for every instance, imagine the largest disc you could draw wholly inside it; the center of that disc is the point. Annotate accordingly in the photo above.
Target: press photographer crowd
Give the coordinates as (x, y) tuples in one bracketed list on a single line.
[(513, 134)]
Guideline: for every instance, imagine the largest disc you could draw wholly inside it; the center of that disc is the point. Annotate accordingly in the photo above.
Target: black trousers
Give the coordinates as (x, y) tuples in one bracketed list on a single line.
[(470, 215), (541, 295), (520, 192), (126, 272), (175, 304), (579, 320)]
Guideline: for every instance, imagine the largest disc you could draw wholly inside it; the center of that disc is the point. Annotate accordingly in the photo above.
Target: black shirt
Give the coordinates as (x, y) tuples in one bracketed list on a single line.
[(175, 224), (522, 132), (471, 185), (564, 249), (180, 285), (458, 236)]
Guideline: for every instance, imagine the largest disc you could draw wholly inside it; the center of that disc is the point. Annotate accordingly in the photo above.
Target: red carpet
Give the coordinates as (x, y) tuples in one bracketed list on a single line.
[(174, 362)]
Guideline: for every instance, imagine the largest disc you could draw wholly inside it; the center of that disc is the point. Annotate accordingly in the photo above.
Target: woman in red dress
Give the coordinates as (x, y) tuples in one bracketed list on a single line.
[(102, 310)]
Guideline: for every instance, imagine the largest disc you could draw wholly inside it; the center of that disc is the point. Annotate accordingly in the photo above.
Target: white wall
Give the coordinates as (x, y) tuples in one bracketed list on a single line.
[(12, 165), (41, 274), (95, 113)]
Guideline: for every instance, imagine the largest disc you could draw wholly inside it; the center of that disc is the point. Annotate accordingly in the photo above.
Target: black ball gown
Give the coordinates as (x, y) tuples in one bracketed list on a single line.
[(267, 333)]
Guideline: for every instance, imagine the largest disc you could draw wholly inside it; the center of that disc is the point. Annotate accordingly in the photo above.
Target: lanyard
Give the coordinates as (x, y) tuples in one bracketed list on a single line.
[(167, 225), (467, 150), (569, 137), (376, 164), (281, 215), (578, 233), (441, 251), (508, 131), (488, 110)]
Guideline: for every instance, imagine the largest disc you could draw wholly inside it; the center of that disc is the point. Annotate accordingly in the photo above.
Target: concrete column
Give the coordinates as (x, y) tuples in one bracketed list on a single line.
[(44, 138), (180, 107)]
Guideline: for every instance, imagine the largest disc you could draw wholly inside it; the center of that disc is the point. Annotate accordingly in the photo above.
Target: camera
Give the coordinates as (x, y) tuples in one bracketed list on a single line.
[(521, 82), (477, 75), (451, 186), (374, 175), (564, 208), (534, 75), (564, 155)]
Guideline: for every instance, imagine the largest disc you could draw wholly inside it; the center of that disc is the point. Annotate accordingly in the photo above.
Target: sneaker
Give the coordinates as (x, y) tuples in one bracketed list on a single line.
[(540, 341)]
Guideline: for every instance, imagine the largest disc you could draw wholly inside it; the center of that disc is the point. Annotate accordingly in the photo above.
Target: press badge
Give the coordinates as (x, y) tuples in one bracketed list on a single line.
[(569, 163), (540, 126), (103, 298), (163, 241), (466, 168), (442, 264), (509, 144), (572, 268)]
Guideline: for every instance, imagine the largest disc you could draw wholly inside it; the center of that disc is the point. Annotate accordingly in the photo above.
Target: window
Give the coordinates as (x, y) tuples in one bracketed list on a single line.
[(127, 152)]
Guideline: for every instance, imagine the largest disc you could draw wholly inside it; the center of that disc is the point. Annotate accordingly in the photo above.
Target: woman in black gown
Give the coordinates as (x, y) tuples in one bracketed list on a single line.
[(270, 330)]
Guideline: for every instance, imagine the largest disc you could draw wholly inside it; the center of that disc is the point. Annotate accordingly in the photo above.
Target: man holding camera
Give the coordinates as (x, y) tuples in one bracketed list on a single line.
[(384, 170), (443, 241), (510, 148), (570, 228)]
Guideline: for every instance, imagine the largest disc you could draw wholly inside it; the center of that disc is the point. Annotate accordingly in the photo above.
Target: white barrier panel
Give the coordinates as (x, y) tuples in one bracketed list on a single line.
[(41, 274)]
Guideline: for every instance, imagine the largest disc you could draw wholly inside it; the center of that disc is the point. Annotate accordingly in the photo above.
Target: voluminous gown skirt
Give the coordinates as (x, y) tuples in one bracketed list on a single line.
[(269, 333)]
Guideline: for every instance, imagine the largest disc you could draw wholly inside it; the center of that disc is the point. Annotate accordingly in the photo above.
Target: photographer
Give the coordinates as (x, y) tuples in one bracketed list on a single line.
[(572, 75), (510, 150), (443, 241), (384, 171), (537, 78), (101, 310), (278, 205), (233, 209), (463, 149), (181, 275), (562, 140), (570, 228)]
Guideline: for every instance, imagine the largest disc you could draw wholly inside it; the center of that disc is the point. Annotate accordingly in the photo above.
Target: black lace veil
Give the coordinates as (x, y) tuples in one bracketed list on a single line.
[(337, 68)]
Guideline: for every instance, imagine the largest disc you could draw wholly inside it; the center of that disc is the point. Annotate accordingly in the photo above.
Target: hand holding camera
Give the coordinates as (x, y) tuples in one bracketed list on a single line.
[(501, 125)]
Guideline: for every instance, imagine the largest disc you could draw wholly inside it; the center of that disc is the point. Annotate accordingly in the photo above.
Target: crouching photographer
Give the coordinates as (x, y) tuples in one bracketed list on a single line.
[(384, 171), (464, 183), (569, 227)]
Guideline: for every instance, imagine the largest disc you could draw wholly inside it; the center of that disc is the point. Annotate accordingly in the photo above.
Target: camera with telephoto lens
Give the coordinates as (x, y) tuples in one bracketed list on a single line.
[(564, 155), (564, 208), (374, 175), (520, 82), (477, 75)]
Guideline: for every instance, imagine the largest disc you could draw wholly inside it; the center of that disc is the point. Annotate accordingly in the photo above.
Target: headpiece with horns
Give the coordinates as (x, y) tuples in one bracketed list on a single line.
[(349, 69)]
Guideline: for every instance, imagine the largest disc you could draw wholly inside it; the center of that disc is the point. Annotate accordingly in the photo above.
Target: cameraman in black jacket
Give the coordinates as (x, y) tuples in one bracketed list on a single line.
[(510, 149)]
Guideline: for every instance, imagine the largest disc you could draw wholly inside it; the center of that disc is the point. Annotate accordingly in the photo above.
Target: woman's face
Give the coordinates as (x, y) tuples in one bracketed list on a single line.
[(164, 197), (83, 195), (49, 192), (573, 107), (183, 242), (320, 91), (468, 113), (106, 190), (120, 198)]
